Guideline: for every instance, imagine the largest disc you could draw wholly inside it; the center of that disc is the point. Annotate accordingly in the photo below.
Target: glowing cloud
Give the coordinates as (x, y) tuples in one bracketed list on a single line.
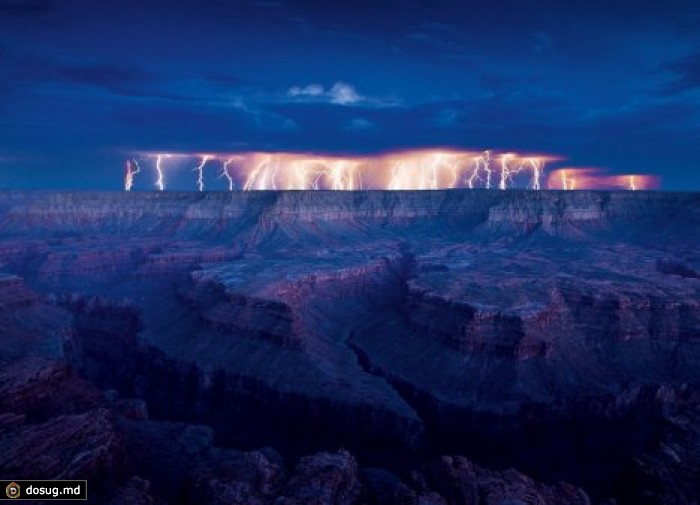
[(596, 178), (340, 93), (417, 169)]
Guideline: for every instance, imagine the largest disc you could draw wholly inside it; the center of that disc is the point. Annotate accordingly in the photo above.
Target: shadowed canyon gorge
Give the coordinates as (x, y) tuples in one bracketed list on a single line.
[(371, 347)]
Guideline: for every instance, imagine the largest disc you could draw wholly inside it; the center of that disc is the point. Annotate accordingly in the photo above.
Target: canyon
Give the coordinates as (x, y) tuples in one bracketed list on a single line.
[(349, 347)]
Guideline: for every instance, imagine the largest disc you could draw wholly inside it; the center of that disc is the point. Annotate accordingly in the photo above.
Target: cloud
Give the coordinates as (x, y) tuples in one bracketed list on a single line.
[(448, 117), (340, 93), (344, 94), (686, 73), (114, 80), (226, 79), (360, 124), (310, 90), (111, 77)]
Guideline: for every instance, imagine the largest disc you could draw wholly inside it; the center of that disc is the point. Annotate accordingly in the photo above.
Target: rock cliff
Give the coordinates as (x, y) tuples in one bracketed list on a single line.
[(551, 331)]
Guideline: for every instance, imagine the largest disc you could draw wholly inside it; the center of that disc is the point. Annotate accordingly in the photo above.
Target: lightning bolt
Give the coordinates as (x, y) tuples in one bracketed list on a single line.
[(478, 162), (537, 168), (160, 181), (566, 182), (398, 176), (420, 169), (432, 172), (261, 176), (225, 172), (342, 174), (487, 168), (507, 172), (597, 178), (270, 179), (130, 170), (200, 171), (454, 170), (317, 180), (306, 173)]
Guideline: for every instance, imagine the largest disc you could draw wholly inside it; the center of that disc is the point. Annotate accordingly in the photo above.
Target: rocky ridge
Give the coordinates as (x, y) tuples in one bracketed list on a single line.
[(506, 326)]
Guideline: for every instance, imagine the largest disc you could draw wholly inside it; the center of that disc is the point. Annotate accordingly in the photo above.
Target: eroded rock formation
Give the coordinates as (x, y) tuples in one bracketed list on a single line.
[(550, 331)]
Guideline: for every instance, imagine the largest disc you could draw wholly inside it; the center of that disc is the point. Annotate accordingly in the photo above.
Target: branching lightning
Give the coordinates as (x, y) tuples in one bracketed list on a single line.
[(131, 168), (507, 170), (296, 172), (264, 174), (344, 175), (595, 178), (483, 161), (420, 169), (537, 170), (200, 171), (225, 172), (566, 182)]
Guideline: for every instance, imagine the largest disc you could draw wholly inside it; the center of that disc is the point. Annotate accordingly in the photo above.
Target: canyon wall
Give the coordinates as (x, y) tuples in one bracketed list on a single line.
[(507, 325)]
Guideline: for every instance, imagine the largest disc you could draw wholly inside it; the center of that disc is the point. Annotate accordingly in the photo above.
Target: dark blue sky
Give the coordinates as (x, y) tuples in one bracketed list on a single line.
[(611, 84)]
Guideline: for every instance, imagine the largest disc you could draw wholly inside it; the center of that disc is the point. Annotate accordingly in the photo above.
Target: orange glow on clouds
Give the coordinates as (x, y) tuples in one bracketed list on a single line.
[(418, 169), (596, 178)]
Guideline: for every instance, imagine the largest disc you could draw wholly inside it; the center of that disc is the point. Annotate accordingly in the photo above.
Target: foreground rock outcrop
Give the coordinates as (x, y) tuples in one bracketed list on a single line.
[(668, 471), (181, 464)]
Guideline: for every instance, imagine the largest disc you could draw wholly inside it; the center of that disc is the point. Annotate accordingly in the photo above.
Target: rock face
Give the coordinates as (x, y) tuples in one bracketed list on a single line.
[(53, 425), (461, 482), (668, 471), (99, 441), (324, 478), (65, 447), (38, 388), (136, 491), (550, 331)]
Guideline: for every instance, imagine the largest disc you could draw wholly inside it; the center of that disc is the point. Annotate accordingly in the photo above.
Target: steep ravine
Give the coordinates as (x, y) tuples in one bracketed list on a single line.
[(246, 412), (591, 449), (550, 331)]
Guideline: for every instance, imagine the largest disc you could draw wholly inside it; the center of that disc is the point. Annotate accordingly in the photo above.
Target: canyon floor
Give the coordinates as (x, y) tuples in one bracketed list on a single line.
[(376, 347)]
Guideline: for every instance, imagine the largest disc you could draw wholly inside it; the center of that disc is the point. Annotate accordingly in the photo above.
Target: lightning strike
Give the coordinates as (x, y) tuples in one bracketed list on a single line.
[(507, 171), (566, 183), (131, 168), (200, 171), (537, 169), (344, 175), (225, 173), (482, 161), (263, 175), (594, 178), (398, 176), (160, 180), (420, 169)]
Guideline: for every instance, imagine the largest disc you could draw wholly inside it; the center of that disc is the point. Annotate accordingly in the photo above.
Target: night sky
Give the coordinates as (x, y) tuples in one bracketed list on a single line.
[(83, 83)]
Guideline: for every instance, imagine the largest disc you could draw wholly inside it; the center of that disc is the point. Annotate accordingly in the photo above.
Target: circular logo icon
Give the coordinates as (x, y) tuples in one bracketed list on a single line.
[(12, 490)]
